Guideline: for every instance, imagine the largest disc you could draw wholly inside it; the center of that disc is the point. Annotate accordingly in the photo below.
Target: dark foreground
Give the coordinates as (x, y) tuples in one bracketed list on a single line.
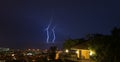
[(36, 61)]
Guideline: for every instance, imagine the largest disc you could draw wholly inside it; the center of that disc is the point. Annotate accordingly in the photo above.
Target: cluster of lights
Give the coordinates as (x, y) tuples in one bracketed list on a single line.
[(34, 49), (29, 54)]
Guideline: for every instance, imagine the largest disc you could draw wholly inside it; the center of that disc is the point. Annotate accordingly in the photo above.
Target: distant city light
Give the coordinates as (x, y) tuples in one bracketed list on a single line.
[(29, 49), (38, 49), (13, 54), (29, 54), (33, 49)]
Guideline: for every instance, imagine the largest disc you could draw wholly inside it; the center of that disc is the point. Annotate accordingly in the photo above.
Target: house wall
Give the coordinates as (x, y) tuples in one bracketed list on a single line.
[(82, 53), (85, 54)]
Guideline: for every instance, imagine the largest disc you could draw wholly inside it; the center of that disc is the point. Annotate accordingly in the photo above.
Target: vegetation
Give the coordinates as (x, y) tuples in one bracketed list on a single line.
[(106, 47), (71, 42)]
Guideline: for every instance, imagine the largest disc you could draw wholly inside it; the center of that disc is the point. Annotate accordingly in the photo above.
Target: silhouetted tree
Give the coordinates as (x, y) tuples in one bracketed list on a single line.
[(72, 42), (106, 47), (52, 52)]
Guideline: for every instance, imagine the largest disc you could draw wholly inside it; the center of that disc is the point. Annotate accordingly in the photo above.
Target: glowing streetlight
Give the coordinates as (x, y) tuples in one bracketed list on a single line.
[(77, 52), (66, 50), (92, 52)]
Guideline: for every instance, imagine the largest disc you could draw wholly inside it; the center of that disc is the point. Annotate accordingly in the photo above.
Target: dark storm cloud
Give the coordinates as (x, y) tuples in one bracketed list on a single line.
[(23, 23)]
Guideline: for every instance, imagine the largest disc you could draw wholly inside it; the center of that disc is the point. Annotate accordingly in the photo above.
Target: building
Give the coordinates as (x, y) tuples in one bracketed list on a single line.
[(82, 51)]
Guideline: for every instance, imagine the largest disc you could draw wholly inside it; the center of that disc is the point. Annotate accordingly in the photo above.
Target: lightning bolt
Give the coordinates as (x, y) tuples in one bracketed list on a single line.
[(47, 29), (54, 36)]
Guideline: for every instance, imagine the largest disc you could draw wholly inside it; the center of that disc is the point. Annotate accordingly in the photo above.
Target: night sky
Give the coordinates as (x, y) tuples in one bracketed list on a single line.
[(23, 22)]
